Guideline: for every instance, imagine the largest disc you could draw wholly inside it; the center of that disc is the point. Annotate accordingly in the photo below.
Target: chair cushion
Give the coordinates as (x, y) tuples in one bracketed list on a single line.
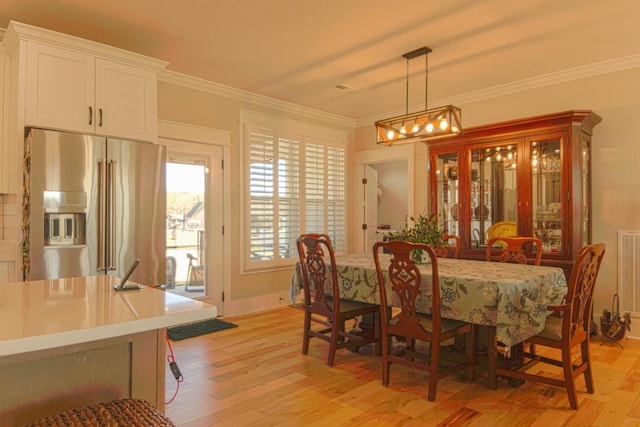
[(427, 323), (552, 328), (350, 305)]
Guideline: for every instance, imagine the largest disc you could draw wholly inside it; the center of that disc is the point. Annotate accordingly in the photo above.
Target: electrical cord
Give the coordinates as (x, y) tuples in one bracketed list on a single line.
[(174, 370)]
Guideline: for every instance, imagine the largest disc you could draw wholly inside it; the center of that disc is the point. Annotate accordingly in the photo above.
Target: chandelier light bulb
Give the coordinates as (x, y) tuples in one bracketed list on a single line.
[(429, 127), (403, 130), (415, 128), (390, 134), (444, 124)]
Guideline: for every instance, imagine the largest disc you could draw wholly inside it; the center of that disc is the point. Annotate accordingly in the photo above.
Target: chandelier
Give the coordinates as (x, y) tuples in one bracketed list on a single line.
[(424, 125)]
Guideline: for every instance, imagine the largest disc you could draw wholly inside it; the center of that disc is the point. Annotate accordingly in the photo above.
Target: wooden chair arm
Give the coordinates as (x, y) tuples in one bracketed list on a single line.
[(558, 309)]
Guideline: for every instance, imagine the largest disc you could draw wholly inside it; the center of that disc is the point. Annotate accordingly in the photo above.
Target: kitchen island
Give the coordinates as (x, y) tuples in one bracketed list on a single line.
[(73, 342)]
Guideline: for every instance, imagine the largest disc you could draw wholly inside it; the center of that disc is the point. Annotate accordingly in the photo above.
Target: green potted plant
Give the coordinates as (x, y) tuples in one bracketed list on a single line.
[(425, 229)]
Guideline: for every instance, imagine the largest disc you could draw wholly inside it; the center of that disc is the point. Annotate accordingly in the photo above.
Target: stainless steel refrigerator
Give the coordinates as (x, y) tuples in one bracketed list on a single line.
[(93, 205)]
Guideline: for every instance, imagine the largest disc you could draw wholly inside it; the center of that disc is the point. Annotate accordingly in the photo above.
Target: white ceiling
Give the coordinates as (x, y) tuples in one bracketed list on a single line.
[(299, 50)]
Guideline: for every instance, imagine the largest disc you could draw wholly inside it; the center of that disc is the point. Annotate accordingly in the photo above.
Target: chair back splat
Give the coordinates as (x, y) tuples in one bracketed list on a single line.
[(515, 249), (567, 328), (446, 250), (325, 312), (404, 280)]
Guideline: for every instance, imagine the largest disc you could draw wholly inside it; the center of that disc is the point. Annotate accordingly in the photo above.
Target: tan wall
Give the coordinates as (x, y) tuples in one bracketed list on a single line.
[(202, 108), (615, 155)]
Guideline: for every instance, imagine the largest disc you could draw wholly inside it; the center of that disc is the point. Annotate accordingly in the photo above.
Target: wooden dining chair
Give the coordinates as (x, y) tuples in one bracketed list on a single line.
[(513, 249), (567, 328), (447, 250), (322, 303), (405, 279)]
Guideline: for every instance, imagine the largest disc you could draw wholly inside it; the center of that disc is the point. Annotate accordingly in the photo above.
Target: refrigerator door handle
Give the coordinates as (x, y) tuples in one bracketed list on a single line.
[(102, 209), (111, 172)]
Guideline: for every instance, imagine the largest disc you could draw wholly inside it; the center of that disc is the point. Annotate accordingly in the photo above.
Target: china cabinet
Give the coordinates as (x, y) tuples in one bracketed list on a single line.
[(528, 177)]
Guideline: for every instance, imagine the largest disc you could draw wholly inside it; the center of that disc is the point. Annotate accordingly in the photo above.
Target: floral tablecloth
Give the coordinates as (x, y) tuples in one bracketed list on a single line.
[(511, 297)]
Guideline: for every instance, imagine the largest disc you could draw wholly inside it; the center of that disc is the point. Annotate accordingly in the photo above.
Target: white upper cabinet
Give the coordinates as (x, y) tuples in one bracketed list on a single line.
[(126, 101), (72, 84), (60, 89), (77, 92)]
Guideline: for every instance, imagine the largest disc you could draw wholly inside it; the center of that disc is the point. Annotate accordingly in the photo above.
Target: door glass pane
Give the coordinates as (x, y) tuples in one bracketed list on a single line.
[(493, 208), (448, 196), (546, 193), (186, 229)]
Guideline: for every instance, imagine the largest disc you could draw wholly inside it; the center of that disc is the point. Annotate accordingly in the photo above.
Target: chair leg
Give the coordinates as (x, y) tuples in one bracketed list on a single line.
[(433, 371), (377, 334), (569, 380), (586, 358), (492, 356), (386, 344), (305, 338), (470, 353), (333, 343)]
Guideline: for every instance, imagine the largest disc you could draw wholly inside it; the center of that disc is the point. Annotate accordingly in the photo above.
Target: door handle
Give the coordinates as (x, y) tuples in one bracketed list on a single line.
[(111, 265), (100, 112), (90, 115), (102, 220)]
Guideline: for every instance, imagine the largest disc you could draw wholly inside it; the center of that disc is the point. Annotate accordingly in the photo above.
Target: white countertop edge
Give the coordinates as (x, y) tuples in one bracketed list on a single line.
[(78, 336)]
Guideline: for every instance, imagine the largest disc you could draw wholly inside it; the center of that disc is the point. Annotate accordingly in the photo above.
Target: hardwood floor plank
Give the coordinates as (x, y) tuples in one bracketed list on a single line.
[(256, 375)]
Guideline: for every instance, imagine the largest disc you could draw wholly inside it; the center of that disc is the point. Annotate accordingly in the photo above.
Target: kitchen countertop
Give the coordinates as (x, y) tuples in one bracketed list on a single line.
[(45, 314)]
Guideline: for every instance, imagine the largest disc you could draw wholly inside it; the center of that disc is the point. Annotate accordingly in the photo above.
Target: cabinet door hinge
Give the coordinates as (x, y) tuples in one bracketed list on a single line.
[(364, 226), (222, 161), (364, 181), (223, 230), (222, 296)]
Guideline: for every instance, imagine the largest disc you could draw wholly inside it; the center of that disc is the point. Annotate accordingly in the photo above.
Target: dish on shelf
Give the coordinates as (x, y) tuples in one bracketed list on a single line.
[(453, 172), (455, 211), (481, 212)]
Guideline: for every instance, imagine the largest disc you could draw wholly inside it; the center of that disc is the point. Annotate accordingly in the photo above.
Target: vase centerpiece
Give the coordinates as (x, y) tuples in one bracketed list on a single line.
[(425, 229)]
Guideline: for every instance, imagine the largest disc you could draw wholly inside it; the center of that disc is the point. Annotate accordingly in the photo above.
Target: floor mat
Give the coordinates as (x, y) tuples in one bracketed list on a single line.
[(199, 328)]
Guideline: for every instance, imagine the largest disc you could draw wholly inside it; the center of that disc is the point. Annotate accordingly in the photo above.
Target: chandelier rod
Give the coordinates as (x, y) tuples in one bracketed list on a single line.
[(414, 54)]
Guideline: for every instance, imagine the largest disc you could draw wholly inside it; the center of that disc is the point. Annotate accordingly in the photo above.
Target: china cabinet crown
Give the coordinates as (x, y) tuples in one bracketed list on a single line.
[(528, 177)]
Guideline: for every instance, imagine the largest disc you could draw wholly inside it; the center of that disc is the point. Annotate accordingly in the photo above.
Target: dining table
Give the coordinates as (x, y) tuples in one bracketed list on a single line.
[(512, 298)]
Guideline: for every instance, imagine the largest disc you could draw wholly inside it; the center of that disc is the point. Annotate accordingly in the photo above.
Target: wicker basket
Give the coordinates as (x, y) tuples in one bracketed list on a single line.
[(612, 325), (120, 413)]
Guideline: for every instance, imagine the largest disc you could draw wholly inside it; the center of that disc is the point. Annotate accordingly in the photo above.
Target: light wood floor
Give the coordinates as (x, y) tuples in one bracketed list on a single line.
[(256, 375)]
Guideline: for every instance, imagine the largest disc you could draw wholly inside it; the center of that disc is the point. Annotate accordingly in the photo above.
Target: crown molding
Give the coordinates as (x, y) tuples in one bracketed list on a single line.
[(577, 73), (253, 98)]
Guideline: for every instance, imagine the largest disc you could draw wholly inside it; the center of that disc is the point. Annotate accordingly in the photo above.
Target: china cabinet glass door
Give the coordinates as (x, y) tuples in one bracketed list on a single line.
[(546, 192), (448, 192), (493, 206), (585, 230)]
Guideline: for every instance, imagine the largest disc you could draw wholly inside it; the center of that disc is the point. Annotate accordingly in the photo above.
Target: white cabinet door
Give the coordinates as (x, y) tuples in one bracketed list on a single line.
[(68, 90), (126, 101), (59, 89)]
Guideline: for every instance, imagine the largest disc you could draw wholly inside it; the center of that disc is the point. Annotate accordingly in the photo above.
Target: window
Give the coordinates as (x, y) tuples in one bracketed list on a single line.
[(296, 184)]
